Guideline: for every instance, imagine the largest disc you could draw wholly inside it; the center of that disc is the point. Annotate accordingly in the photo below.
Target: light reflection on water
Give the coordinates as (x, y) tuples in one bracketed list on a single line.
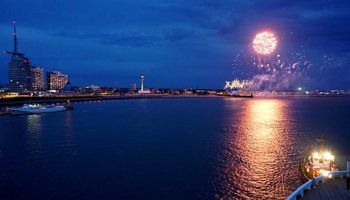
[(69, 143), (257, 156), (33, 134), (33, 125), (36, 126)]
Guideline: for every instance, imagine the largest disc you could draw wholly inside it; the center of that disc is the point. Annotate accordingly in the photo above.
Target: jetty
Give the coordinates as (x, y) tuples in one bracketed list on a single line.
[(81, 98)]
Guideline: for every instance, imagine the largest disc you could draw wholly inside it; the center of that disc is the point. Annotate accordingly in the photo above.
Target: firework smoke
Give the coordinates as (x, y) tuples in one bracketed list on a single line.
[(272, 72), (277, 73)]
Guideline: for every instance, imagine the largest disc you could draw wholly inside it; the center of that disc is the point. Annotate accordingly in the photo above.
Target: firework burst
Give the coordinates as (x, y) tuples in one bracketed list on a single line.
[(264, 43)]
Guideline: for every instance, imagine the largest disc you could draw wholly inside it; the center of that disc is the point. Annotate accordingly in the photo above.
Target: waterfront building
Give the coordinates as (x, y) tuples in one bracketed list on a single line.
[(133, 86), (56, 80), (92, 89), (19, 69), (37, 78)]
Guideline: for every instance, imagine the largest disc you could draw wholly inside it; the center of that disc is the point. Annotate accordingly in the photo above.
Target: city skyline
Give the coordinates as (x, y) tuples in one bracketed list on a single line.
[(196, 42), (174, 99), (25, 77)]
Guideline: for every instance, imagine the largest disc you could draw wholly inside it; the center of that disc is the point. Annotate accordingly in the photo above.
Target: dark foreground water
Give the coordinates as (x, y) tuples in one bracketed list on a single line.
[(194, 148)]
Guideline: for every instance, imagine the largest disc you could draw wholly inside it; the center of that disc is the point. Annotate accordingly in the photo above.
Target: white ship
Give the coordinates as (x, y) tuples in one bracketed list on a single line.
[(36, 109)]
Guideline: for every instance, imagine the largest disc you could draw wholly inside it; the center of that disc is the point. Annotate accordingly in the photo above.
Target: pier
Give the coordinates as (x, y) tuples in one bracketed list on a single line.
[(64, 99), (81, 98)]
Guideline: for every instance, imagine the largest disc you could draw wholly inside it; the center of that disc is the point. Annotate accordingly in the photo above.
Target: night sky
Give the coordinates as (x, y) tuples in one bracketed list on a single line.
[(179, 43)]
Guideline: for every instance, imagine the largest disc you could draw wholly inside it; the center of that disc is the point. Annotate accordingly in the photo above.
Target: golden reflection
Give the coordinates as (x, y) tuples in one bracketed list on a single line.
[(33, 124), (263, 116), (259, 136), (265, 124)]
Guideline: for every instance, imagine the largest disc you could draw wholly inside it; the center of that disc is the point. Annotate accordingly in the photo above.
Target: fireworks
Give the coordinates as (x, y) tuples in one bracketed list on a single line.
[(236, 84), (264, 43), (267, 69)]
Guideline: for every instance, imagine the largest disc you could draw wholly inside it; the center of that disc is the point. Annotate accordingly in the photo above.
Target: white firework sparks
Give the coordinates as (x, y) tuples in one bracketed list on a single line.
[(236, 84)]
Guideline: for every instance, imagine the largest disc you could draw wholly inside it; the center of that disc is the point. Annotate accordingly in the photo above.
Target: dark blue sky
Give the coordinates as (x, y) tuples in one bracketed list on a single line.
[(179, 43)]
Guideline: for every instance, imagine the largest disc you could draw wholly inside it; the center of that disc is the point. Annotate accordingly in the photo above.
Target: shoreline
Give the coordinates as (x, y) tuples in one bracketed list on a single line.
[(64, 99)]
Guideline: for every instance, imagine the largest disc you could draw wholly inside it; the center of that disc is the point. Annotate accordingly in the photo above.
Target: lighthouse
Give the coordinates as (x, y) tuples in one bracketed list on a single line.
[(143, 91), (142, 80)]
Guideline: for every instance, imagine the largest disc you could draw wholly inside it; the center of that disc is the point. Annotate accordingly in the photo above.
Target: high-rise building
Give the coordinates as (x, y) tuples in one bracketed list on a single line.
[(37, 78), (56, 80), (19, 70)]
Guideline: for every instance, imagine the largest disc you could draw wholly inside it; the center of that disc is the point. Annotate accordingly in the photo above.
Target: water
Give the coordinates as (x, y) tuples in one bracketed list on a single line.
[(189, 148)]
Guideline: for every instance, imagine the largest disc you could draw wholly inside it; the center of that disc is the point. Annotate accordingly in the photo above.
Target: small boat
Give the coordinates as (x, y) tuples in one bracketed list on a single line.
[(319, 160), (36, 109)]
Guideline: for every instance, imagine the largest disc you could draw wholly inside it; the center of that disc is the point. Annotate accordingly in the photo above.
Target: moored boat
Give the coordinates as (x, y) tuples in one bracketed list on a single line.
[(36, 109)]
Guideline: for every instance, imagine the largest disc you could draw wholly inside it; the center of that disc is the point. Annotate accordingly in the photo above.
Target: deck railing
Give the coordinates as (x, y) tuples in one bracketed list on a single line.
[(299, 192)]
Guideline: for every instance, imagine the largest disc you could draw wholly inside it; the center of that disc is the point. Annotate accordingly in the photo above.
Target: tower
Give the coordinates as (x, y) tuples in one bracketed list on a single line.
[(142, 79), (143, 91), (14, 37), (19, 72)]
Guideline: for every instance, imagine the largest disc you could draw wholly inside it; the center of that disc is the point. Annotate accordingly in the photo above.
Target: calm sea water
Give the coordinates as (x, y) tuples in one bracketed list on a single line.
[(176, 148)]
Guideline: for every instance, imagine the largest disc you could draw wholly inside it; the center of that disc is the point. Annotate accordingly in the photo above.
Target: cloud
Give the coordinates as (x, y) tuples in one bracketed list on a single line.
[(133, 39), (76, 35), (177, 34), (121, 39), (197, 33), (130, 39)]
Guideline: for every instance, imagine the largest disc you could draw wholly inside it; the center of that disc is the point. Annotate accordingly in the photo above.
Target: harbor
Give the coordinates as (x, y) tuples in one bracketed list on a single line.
[(236, 144), (174, 100)]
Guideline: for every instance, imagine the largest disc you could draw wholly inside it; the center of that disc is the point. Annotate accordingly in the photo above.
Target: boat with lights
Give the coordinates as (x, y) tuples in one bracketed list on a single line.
[(36, 109), (319, 160)]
